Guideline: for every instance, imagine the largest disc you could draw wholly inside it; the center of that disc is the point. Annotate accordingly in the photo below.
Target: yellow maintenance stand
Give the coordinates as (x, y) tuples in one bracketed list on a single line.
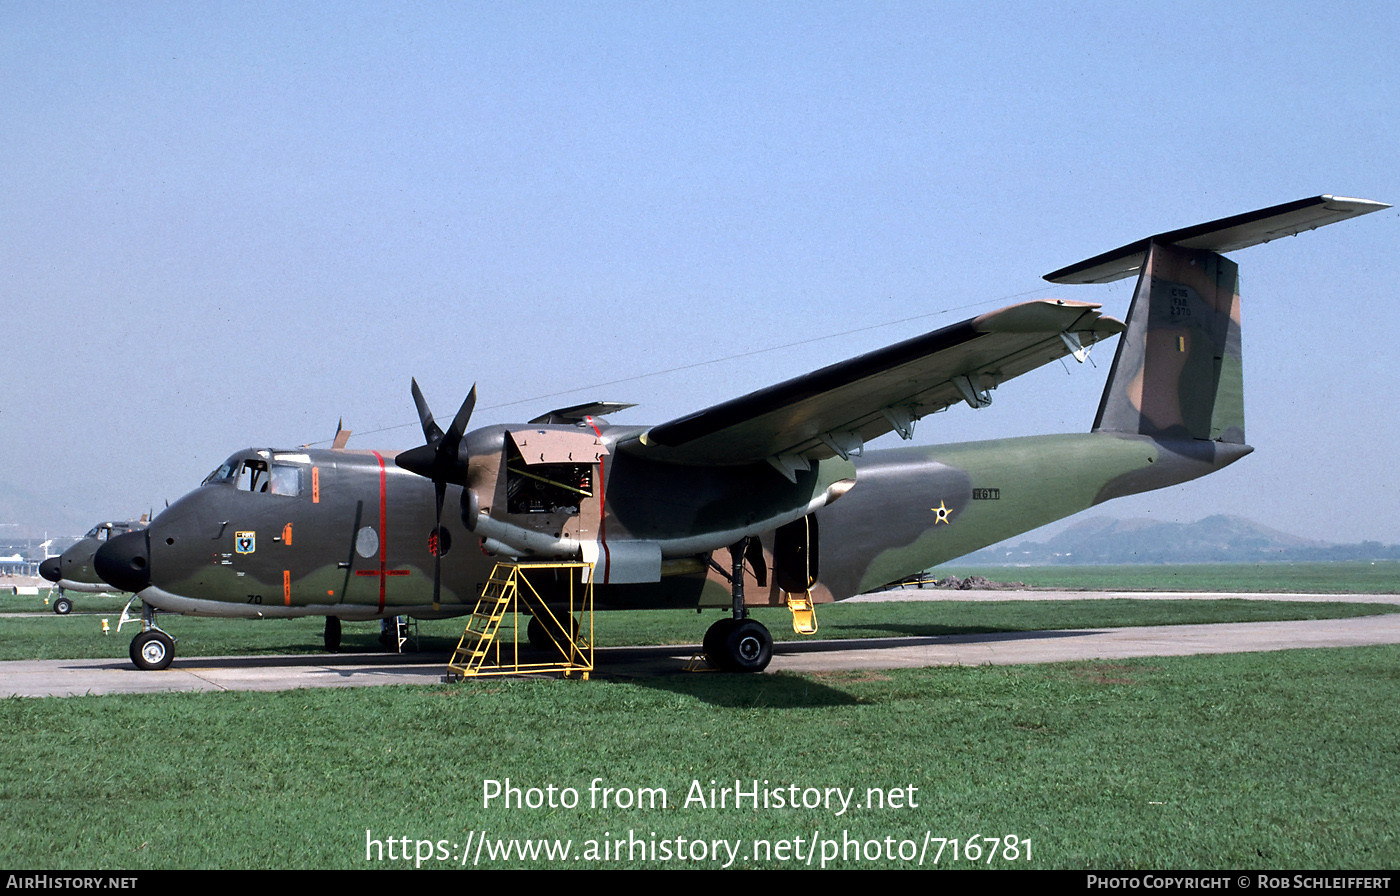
[(490, 644)]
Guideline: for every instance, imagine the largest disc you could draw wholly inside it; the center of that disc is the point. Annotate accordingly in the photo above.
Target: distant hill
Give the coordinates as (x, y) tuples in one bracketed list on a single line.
[(1215, 539)]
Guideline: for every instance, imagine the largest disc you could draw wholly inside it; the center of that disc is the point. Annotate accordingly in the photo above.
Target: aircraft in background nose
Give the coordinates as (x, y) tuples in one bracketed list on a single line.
[(74, 569)]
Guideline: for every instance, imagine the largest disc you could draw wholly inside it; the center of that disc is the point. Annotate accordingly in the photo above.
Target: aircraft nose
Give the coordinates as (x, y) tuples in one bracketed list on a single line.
[(51, 569), (125, 562)]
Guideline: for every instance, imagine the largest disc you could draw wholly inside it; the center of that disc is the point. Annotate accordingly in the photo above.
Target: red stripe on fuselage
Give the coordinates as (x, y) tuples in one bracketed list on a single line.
[(383, 527), (602, 518)]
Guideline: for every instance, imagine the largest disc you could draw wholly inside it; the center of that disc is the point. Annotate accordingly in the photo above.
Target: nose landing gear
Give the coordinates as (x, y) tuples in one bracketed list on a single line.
[(153, 649)]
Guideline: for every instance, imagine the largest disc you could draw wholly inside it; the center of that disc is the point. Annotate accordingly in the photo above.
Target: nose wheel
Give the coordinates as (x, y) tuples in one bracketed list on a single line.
[(153, 649)]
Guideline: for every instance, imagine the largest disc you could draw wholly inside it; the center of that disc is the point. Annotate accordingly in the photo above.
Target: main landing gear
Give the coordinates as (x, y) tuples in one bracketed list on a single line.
[(738, 643)]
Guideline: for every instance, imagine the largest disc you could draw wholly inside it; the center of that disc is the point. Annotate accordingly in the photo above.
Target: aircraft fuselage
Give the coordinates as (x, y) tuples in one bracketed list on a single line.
[(350, 534)]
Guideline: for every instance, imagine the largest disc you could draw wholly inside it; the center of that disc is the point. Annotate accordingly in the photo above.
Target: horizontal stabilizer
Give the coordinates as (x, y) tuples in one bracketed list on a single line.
[(1224, 235)]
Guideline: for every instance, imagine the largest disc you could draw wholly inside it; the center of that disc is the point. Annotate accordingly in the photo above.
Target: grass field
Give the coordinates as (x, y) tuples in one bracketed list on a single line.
[(1378, 577), (1266, 761), (1282, 760)]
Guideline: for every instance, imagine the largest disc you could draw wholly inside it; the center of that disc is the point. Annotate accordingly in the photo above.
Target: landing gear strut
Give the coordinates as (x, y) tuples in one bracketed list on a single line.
[(738, 643)]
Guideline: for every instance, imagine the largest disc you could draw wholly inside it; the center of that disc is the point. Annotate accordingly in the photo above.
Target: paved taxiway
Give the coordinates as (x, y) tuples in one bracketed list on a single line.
[(63, 678)]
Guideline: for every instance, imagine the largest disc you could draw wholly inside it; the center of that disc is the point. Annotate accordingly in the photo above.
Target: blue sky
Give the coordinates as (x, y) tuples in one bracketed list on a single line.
[(231, 224)]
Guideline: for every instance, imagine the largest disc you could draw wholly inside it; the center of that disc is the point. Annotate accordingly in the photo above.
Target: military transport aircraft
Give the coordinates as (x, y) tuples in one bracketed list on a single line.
[(73, 569), (778, 480)]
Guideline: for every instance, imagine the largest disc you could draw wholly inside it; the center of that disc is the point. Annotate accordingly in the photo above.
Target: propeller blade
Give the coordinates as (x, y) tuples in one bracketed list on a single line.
[(439, 461), (431, 432), (459, 423)]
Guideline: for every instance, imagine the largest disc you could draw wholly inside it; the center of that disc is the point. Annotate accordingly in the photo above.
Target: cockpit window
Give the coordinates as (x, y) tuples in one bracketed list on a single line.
[(254, 474), (220, 475), (286, 480)]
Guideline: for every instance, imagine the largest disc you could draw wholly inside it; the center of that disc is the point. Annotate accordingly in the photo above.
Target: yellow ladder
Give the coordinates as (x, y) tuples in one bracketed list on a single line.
[(479, 636), (804, 612), (509, 592)]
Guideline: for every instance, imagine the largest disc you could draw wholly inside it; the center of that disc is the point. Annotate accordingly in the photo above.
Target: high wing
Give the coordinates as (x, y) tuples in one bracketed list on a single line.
[(836, 410)]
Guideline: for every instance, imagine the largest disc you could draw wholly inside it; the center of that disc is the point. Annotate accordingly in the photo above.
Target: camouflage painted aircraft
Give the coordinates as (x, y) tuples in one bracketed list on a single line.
[(778, 482), (73, 570)]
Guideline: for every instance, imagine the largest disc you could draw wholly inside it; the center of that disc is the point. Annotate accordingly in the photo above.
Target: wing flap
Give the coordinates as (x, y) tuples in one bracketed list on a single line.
[(837, 409)]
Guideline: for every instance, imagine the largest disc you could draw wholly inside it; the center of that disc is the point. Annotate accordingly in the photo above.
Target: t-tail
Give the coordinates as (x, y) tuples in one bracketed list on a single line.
[(1178, 375)]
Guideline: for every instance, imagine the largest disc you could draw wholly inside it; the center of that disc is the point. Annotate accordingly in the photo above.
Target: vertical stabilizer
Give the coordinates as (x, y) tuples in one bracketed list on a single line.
[(1178, 371)]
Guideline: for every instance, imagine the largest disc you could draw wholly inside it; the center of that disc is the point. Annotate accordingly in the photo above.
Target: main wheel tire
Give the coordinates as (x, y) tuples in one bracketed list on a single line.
[(332, 634), (152, 650), (63, 606), (748, 647), (547, 637), (715, 637)]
